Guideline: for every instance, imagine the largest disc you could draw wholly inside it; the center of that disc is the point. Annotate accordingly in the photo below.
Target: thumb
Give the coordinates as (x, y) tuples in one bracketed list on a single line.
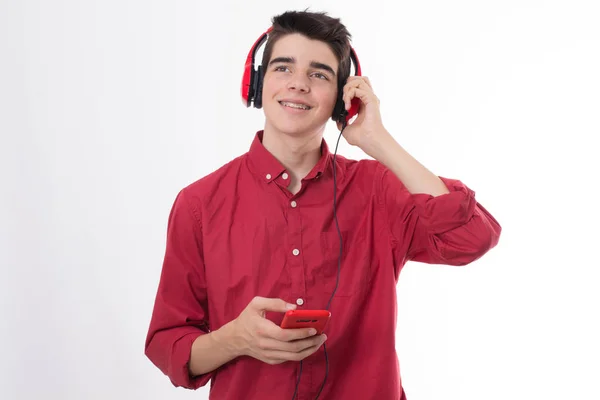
[(266, 304)]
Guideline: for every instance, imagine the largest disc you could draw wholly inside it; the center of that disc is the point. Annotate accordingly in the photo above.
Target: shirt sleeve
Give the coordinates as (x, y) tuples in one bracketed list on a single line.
[(450, 229), (180, 310)]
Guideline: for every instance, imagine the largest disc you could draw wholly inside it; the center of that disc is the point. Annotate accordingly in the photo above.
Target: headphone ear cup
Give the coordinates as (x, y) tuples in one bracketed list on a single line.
[(339, 109), (248, 88), (258, 87)]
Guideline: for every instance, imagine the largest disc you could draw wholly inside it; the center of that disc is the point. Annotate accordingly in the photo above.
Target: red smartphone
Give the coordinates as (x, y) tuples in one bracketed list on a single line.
[(295, 319)]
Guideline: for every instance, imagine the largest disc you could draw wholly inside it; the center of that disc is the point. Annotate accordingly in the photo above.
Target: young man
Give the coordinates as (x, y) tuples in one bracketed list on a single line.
[(258, 237)]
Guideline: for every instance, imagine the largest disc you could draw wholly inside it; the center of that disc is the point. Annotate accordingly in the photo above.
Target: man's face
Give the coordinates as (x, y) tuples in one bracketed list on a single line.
[(300, 85)]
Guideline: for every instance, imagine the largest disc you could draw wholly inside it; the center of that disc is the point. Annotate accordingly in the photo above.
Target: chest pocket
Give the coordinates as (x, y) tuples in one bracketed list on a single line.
[(355, 269)]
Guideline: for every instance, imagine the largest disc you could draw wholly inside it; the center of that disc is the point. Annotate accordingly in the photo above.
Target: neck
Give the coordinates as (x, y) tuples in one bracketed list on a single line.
[(298, 154)]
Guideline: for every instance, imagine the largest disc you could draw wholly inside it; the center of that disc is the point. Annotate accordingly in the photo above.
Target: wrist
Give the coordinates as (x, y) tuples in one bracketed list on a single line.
[(228, 339), (384, 148)]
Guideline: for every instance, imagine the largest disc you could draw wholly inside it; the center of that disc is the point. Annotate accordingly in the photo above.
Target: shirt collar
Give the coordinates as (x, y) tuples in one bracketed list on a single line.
[(269, 168)]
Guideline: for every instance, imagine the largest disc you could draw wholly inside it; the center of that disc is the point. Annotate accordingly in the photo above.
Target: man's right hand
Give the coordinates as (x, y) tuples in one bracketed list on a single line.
[(258, 337)]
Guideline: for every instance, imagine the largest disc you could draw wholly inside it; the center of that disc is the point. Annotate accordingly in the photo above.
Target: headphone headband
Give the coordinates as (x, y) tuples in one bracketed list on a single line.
[(249, 79)]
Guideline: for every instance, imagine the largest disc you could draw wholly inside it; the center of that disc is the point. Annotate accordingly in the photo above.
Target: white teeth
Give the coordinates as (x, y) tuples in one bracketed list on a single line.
[(294, 105)]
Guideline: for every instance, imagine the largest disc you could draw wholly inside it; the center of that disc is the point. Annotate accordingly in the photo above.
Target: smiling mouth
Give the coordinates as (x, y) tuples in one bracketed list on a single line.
[(295, 105)]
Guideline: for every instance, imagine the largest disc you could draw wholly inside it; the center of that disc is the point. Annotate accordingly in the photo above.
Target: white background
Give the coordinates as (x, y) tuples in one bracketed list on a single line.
[(108, 108)]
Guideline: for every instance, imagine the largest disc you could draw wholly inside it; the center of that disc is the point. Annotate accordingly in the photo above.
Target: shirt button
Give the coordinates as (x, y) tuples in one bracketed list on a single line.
[(299, 302), (293, 204), (295, 252), (268, 176), (284, 176)]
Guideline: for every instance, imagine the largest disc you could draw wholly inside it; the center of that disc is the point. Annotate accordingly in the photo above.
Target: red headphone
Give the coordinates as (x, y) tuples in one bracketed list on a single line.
[(252, 81)]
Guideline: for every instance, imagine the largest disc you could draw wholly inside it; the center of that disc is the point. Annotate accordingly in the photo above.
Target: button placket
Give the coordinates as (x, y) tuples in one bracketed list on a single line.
[(296, 257)]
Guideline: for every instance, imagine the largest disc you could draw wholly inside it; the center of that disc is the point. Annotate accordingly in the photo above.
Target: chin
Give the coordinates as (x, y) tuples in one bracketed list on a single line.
[(295, 127)]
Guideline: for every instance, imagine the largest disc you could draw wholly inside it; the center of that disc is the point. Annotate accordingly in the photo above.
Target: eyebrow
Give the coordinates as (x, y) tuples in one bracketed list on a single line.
[(313, 64)]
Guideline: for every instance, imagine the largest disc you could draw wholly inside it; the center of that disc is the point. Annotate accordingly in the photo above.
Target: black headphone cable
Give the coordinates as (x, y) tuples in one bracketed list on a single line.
[(344, 124)]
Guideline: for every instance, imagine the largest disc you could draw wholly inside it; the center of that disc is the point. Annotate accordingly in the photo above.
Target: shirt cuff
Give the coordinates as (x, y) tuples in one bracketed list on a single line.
[(180, 374), (448, 211)]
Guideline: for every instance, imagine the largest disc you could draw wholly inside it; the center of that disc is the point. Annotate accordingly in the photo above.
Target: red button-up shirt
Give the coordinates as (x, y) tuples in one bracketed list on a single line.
[(239, 233)]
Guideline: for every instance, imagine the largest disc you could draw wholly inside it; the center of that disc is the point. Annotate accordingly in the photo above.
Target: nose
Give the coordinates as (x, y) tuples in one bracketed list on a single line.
[(299, 82)]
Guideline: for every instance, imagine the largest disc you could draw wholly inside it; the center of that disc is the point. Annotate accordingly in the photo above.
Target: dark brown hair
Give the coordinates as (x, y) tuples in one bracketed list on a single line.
[(316, 26)]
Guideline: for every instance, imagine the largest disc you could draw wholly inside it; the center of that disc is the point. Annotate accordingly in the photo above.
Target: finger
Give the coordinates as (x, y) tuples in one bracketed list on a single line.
[(351, 84), (348, 96), (368, 82), (287, 335), (351, 88), (358, 80), (365, 96), (266, 304), (291, 356), (266, 328), (269, 344)]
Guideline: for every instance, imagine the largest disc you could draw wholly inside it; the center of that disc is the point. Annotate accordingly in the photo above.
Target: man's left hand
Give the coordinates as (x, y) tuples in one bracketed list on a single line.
[(367, 130)]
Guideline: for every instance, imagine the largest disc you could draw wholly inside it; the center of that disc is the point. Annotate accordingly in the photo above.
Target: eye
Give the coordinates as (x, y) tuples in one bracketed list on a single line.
[(321, 76), (280, 68)]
